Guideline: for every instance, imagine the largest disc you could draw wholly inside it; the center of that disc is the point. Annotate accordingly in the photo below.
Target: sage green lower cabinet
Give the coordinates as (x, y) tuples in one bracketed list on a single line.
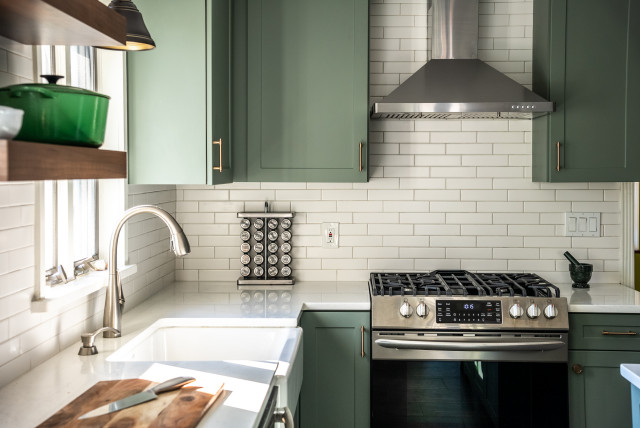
[(591, 75), (335, 383), (307, 90), (598, 394), (178, 95)]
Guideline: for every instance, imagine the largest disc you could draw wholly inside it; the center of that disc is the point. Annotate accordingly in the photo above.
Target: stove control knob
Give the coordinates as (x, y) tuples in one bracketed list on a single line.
[(533, 311), (550, 312), (406, 310), (516, 311), (422, 310)]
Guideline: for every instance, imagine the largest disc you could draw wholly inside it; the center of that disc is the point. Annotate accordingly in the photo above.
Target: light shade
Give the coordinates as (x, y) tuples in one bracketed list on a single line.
[(138, 37)]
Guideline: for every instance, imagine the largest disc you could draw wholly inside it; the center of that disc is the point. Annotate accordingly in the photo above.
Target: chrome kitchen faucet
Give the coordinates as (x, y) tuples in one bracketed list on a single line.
[(114, 298)]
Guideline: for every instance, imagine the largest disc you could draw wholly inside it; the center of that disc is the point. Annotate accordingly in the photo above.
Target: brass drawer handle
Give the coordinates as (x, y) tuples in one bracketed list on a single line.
[(219, 143), (361, 341), (558, 156), (360, 169), (577, 369), (619, 333)]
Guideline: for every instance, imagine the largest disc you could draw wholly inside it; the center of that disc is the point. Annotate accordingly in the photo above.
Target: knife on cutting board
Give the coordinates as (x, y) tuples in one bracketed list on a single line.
[(139, 398)]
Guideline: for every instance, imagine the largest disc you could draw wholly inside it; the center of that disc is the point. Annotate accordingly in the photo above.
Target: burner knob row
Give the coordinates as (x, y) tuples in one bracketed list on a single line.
[(421, 310), (533, 311)]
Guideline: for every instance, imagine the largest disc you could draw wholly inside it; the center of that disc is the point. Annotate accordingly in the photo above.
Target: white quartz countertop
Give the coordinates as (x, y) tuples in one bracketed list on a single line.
[(35, 396), (601, 298), (631, 372)]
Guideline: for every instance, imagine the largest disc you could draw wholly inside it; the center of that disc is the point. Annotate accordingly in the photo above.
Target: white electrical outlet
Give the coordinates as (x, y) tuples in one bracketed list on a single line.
[(581, 224), (330, 235)]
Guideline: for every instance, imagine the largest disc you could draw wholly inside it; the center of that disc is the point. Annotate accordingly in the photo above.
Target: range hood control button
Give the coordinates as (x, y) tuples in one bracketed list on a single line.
[(516, 311), (422, 310), (550, 312), (406, 310), (533, 311)]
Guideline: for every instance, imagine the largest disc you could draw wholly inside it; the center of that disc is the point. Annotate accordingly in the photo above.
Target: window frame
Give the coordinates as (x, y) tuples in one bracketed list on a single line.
[(111, 195)]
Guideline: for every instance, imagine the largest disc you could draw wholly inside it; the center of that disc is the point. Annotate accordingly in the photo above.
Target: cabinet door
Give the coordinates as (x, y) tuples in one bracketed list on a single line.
[(599, 396), (591, 74), (307, 90), (178, 94), (335, 383)]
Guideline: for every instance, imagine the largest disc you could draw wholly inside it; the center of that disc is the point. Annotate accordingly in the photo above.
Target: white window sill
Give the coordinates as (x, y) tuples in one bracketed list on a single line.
[(74, 292)]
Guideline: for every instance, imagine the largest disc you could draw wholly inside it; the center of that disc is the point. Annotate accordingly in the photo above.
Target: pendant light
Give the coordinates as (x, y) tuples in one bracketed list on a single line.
[(138, 37)]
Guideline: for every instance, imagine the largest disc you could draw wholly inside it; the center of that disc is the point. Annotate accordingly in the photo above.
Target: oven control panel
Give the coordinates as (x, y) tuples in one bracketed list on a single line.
[(469, 311)]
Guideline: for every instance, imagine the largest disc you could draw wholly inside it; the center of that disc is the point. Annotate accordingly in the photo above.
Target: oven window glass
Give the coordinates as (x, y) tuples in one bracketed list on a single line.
[(457, 394)]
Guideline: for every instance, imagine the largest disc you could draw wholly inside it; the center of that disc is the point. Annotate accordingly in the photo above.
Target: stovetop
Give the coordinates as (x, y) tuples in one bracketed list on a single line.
[(453, 300), (453, 283)]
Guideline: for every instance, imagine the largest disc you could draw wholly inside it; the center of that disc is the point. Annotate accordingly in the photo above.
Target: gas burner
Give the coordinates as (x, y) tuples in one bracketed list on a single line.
[(461, 283)]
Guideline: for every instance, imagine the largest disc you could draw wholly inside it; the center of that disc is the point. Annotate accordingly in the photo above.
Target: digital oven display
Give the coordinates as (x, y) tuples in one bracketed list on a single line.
[(469, 311)]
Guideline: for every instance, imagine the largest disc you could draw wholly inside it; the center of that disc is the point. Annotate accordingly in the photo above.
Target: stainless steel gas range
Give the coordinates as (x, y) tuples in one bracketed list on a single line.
[(504, 332)]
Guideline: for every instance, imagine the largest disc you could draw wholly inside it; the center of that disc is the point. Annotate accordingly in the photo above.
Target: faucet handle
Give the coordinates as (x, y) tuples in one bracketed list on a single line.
[(88, 339)]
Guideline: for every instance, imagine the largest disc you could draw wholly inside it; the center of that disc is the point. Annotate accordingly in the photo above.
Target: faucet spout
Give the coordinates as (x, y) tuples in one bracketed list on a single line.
[(114, 298)]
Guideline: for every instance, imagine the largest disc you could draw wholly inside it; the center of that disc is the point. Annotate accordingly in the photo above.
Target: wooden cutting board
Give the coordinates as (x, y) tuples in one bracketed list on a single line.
[(182, 408)]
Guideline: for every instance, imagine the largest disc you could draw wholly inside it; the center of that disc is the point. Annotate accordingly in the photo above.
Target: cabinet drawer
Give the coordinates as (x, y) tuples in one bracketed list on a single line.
[(610, 332)]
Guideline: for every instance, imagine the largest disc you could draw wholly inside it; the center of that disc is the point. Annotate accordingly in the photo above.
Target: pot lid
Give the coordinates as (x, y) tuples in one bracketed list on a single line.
[(52, 87)]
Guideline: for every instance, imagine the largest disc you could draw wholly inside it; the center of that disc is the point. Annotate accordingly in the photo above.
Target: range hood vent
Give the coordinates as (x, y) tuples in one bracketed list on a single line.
[(457, 85)]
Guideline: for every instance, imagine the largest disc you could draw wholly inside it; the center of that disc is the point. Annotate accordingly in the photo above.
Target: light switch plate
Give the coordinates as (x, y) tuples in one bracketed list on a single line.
[(330, 235), (582, 224)]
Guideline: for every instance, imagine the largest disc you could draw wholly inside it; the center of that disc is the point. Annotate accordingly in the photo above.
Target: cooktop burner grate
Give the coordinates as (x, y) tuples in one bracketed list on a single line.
[(461, 283)]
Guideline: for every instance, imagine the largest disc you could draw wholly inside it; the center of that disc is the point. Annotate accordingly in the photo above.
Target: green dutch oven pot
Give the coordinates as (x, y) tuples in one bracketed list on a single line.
[(58, 114)]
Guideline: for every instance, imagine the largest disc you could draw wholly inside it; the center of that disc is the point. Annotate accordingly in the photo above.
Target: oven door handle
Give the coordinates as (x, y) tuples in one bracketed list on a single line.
[(438, 345)]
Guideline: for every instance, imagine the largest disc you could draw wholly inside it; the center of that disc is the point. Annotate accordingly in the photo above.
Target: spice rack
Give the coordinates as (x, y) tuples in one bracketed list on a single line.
[(266, 248)]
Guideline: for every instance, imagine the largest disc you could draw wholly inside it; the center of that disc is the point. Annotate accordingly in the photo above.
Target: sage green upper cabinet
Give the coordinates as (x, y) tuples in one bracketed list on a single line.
[(178, 95), (307, 92), (586, 58)]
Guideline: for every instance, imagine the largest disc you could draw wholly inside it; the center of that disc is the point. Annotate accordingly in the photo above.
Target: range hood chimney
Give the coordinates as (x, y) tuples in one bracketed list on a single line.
[(455, 84)]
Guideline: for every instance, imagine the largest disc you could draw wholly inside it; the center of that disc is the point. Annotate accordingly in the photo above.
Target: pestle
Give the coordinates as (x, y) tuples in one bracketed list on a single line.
[(571, 258)]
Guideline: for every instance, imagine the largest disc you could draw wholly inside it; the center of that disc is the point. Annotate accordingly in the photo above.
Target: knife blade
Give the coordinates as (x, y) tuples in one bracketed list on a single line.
[(140, 397)]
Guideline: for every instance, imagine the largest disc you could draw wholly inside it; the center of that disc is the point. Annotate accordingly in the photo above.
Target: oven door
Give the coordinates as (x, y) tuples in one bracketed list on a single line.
[(480, 380)]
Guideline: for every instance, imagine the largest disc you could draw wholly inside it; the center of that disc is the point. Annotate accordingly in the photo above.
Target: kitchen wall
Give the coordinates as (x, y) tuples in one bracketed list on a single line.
[(26, 338), (443, 194)]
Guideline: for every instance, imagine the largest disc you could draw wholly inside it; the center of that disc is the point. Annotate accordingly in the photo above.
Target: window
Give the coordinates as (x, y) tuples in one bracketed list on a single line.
[(68, 227), (69, 207)]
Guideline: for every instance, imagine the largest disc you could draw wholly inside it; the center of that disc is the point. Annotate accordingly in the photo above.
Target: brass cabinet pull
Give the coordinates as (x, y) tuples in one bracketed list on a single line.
[(218, 142), (558, 156), (619, 333), (361, 341), (577, 369), (360, 169)]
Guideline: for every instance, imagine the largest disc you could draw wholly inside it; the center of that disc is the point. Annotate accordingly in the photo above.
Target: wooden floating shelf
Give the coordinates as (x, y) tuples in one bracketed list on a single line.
[(61, 22), (25, 161)]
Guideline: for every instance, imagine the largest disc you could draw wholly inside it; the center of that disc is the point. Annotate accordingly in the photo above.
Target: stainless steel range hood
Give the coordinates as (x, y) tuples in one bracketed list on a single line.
[(455, 84)]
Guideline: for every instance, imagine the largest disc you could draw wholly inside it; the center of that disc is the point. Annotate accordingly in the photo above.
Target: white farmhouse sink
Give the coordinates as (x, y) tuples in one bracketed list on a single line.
[(188, 339), (211, 339)]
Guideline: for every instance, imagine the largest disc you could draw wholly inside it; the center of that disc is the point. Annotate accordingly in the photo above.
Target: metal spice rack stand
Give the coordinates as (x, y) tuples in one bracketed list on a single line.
[(266, 248)]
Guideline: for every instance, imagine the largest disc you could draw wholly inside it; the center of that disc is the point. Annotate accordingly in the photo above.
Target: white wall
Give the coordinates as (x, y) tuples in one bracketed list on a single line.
[(443, 194)]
